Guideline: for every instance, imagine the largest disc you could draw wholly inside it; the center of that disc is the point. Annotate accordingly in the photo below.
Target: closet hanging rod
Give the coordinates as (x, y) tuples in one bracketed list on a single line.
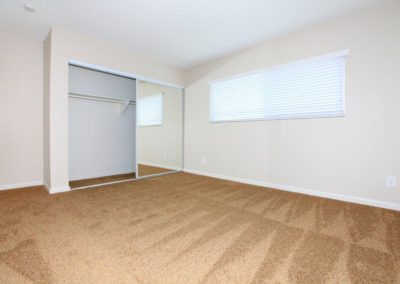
[(100, 98)]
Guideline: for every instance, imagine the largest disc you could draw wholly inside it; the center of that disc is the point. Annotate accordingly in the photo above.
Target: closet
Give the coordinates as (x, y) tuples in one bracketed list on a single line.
[(102, 127), (121, 127)]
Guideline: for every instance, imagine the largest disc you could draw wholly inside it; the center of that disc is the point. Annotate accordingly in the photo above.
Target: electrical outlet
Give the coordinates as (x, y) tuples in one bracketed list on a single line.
[(203, 160), (165, 156), (391, 181)]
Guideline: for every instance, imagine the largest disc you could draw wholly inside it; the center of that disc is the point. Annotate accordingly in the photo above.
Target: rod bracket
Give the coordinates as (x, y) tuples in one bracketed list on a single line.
[(123, 106)]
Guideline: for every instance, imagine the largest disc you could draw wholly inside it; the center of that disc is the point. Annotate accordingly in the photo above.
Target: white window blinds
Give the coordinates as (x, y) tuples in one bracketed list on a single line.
[(150, 110), (303, 89)]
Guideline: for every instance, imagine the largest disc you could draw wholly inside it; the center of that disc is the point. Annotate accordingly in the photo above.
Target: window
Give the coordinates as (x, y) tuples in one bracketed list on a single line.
[(303, 89), (150, 110)]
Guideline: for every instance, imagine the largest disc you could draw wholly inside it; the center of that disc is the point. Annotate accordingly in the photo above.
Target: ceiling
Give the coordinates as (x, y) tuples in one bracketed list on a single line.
[(181, 33)]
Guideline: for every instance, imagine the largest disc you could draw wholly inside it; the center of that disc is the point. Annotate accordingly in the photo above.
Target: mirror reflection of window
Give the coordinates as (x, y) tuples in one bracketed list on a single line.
[(150, 110)]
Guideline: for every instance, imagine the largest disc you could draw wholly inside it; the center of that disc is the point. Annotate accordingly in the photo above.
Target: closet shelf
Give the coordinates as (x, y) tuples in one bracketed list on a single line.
[(123, 102)]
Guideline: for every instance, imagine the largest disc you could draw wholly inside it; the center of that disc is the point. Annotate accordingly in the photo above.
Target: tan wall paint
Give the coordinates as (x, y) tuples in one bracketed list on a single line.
[(348, 156), (66, 45), (155, 141), (21, 129)]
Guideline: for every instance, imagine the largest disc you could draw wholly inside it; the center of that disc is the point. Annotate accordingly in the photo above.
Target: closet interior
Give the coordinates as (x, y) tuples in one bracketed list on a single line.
[(102, 114)]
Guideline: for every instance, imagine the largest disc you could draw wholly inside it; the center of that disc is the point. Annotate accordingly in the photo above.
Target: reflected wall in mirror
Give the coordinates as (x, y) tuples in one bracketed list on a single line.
[(160, 129)]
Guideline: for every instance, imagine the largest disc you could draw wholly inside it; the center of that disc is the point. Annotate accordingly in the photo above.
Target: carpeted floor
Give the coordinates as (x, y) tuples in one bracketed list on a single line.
[(184, 228)]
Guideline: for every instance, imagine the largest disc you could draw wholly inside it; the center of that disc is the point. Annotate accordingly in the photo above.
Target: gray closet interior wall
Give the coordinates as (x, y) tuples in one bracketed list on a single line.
[(91, 82), (101, 138)]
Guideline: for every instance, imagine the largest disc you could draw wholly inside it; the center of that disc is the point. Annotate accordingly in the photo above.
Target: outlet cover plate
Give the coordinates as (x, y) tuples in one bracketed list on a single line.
[(391, 181)]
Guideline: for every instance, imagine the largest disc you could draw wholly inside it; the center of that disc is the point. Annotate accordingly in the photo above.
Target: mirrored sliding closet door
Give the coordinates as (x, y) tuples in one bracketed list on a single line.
[(159, 129)]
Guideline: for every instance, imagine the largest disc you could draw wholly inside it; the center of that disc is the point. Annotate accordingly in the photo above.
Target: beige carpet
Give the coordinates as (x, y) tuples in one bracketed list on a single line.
[(184, 228)]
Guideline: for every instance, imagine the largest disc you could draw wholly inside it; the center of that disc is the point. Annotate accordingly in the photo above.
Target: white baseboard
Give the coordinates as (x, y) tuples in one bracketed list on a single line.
[(20, 185), (161, 166), (341, 197), (103, 174), (58, 189)]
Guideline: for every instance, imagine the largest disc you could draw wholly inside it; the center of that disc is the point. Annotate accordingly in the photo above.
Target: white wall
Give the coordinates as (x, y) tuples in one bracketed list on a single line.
[(346, 158), (66, 45), (162, 145), (21, 98), (46, 109)]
